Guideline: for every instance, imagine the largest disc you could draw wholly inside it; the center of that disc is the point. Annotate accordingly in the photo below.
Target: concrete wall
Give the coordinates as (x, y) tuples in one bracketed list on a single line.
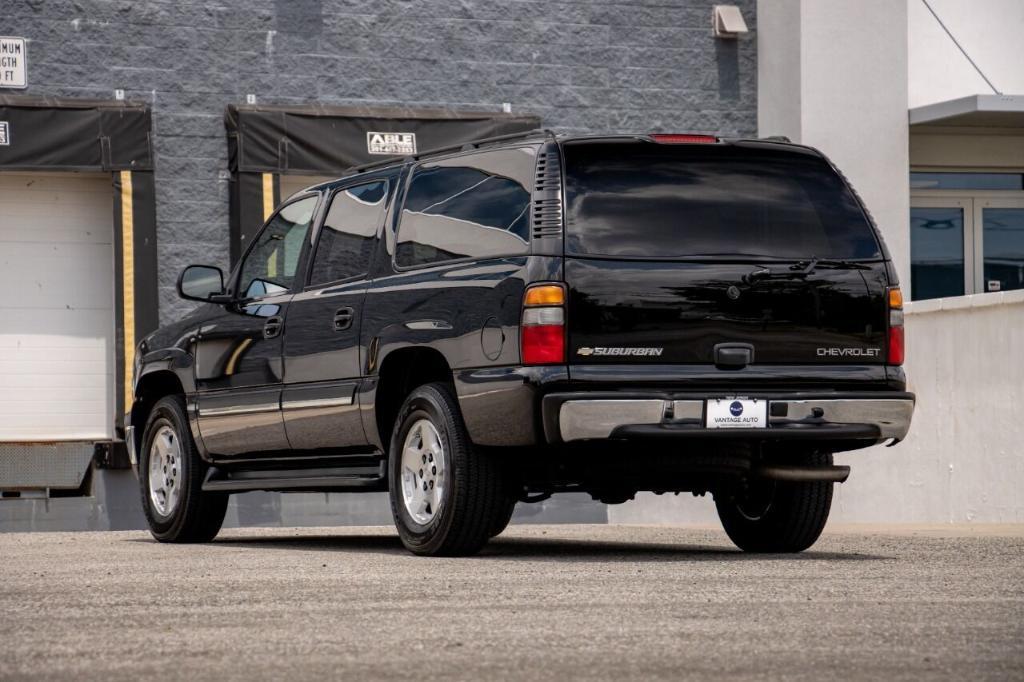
[(832, 75), (632, 65), (989, 30), (962, 459)]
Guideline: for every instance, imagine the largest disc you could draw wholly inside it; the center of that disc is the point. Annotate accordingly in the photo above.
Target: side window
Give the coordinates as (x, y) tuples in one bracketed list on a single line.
[(269, 268), (350, 228), (474, 206)]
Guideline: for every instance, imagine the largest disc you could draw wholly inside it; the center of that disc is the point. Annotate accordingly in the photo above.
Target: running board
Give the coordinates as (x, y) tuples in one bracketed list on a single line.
[(783, 472), (336, 478)]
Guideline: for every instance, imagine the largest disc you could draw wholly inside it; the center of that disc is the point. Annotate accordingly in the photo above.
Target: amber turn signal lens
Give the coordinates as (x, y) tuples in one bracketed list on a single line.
[(545, 294), (895, 298)]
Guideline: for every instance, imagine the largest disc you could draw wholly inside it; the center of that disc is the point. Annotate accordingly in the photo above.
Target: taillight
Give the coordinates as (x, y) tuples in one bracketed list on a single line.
[(896, 343), (542, 333), (683, 138)]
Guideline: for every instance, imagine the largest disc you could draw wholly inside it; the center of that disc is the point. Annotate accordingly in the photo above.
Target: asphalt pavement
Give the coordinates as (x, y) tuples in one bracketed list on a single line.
[(542, 602)]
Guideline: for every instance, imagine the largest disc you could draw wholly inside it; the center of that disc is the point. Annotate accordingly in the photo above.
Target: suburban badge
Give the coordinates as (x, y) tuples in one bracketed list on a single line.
[(616, 350)]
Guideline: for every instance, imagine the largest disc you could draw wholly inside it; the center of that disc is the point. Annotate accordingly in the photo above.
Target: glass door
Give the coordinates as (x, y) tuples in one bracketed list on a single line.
[(941, 247), (999, 237)]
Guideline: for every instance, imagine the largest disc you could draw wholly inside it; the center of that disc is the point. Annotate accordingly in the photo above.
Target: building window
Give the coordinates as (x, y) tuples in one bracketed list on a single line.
[(998, 181), (966, 233), (1003, 238)]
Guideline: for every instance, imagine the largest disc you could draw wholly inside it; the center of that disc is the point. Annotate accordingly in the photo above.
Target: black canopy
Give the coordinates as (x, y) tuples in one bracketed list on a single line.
[(319, 139)]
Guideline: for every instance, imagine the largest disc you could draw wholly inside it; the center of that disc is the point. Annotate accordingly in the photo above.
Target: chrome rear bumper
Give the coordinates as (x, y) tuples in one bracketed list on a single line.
[(881, 418)]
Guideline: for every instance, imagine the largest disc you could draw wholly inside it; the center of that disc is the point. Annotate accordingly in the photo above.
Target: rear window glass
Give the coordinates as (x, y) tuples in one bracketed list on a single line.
[(648, 200)]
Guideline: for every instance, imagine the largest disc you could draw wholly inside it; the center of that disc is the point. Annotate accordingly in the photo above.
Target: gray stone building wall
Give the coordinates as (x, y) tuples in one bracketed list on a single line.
[(587, 66)]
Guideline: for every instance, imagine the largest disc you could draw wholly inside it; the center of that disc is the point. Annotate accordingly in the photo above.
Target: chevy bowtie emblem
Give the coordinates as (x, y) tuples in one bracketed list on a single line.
[(585, 351)]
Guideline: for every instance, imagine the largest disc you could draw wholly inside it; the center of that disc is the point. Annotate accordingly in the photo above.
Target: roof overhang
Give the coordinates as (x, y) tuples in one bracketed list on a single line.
[(981, 111)]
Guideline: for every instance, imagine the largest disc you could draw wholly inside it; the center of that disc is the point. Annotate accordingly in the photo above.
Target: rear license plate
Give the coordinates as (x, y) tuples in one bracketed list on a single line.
[(736, 413)]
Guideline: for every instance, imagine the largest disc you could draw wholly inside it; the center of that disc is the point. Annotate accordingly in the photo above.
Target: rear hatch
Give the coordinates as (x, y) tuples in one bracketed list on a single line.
[(674, 249)]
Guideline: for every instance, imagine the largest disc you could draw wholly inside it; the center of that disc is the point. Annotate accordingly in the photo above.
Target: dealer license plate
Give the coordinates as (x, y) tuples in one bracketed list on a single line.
[(736, 413)]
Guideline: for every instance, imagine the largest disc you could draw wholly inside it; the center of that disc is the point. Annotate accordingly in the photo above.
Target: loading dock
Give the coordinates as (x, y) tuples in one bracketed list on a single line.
[(78, 252)]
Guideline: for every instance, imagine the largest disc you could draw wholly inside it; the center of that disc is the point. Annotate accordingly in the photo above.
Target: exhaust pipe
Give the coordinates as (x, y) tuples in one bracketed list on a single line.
[(798, 474)]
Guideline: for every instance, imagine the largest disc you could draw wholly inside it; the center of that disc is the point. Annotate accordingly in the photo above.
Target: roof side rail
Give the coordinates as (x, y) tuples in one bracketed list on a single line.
[(462, 146)]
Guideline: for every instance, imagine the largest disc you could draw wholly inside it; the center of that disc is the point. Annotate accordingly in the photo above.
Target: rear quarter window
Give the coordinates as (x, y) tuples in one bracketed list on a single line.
[(474, 206), (649, 200)]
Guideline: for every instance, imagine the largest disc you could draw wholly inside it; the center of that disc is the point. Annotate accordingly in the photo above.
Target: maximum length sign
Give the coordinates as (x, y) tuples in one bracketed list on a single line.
[(13, 69)]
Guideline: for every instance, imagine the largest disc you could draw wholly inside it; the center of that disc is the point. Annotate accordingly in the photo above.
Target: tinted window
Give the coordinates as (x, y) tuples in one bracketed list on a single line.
[(479, 209), (1004, 248), (642, 199), (1010, 181), (936, 252), (269, 268), (349, 232)]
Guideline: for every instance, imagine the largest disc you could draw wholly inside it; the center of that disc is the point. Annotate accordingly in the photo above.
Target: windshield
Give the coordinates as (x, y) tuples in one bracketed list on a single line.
[(637, 199)]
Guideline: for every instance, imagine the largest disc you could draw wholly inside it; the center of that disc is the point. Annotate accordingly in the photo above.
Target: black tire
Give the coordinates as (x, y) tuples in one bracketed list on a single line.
[(473, 500), (777, 517), (196, 516), (501, 522)]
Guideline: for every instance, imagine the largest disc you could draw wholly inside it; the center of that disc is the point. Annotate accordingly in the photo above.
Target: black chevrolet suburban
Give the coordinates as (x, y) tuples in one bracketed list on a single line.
[(535, 314)]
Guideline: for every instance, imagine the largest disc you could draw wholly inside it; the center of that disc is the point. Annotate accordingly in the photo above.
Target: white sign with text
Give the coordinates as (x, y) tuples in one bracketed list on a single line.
[(13, 69)]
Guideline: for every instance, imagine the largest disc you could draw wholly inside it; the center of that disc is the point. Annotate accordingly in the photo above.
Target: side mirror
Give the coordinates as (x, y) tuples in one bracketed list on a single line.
[(201, 283)]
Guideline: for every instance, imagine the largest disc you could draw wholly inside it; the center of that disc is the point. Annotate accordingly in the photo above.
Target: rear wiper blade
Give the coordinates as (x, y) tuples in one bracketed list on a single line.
[(803, 269), (797, 270), (843, 264)]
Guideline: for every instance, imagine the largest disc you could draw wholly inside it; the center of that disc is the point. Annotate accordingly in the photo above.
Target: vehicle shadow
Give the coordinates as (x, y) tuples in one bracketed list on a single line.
[(539, 549)]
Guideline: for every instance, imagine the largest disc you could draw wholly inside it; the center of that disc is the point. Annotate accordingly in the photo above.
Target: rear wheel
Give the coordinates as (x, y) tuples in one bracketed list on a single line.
[(777, 516), (446, 496), (171, 476), (501, 521)]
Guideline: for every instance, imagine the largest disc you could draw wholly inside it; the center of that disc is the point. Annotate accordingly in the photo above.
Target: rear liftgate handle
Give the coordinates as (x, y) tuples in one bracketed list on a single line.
[(272, 327), (733, 355), (343, 318)]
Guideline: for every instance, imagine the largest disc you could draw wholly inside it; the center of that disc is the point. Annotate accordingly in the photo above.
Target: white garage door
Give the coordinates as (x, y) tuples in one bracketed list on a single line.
[(290, 184), (56, 307)]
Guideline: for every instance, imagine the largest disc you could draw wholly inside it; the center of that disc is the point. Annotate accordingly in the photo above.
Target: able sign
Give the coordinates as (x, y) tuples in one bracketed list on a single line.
[(12, 63), (391, 143)]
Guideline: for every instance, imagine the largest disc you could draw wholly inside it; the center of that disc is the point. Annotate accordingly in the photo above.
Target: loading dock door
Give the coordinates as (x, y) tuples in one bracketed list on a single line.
[(57, 371)]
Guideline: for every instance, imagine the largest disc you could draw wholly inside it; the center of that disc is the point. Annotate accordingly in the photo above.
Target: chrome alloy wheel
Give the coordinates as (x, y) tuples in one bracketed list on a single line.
[(165, 473), (424, 472)]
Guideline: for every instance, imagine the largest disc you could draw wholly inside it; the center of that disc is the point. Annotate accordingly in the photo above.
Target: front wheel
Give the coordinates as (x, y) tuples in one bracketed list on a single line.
[(447, 498), (777, 516), (171, 476)]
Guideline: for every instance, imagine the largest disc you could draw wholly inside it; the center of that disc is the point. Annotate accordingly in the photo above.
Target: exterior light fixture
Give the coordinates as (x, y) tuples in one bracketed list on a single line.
[(727, 21)]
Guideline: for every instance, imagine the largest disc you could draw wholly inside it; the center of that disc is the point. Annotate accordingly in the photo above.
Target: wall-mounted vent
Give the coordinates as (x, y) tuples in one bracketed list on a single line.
[(547, 194)]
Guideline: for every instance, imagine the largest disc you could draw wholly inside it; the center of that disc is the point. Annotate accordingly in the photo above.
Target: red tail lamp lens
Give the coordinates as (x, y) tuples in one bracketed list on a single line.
[(543, 344), (896, 349)]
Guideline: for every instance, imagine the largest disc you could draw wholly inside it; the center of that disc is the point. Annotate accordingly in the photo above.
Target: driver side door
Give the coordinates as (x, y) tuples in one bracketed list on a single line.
[(238, 361)]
